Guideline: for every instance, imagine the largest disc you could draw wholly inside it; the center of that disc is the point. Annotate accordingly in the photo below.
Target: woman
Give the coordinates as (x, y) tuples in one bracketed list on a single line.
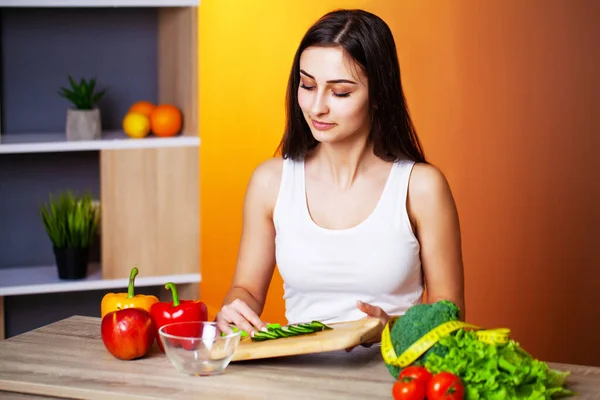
[(351, 213)]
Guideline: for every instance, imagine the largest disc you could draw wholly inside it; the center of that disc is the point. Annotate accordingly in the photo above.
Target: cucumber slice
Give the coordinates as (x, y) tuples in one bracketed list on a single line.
[(260, 339), (273, 326), (300, 330), (320, 325), (281, 333), (310, 327), (265, 335), (289, 331)]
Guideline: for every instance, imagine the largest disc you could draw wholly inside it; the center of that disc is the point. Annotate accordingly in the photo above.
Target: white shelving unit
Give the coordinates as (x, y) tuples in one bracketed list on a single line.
[(99, 3), (56, 142), (177, 23), (44, 279)]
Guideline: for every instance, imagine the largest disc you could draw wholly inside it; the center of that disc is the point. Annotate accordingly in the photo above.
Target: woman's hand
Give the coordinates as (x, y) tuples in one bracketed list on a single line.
[(374, 312), (241, 315)]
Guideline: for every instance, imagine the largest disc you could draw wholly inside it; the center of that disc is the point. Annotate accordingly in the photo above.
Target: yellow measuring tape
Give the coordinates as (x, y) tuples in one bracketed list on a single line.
[(417, 349)]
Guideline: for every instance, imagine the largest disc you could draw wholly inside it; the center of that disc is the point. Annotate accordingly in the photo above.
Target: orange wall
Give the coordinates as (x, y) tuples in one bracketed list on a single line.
[(505, 96), (246, 49)]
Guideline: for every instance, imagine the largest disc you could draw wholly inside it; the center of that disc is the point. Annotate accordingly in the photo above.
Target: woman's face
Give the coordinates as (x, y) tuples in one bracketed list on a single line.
[(333, 95)]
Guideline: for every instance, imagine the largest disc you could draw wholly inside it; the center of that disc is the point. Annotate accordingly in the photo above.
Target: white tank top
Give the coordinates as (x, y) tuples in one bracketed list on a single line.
[(326, 271)]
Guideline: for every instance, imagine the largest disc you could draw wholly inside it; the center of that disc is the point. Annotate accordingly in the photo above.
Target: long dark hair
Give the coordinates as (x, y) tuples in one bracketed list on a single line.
[(370, 42)]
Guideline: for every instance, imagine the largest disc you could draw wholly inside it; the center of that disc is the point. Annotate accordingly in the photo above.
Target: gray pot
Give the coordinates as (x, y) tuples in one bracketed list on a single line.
[(83, 124)]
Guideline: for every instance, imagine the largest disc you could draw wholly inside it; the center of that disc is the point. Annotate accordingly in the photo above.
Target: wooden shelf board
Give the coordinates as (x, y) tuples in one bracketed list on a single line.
[(44, 279), (56, 142), (99, 3)]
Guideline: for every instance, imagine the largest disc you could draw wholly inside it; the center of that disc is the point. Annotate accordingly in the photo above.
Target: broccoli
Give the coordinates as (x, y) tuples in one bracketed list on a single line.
[(417, 322)]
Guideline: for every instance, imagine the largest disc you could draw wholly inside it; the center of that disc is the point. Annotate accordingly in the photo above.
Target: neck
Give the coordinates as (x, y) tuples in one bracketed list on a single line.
[(344, 161)]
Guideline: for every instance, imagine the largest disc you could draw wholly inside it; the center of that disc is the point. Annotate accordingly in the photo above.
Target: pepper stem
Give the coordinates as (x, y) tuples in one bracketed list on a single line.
[(171, 286), (130, 287)]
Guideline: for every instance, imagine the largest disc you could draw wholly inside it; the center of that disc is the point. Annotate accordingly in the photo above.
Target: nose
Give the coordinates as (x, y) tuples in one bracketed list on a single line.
[(319, 106)]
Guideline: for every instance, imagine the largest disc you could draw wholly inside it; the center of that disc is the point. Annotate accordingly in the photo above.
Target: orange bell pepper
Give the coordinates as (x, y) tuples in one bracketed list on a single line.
[(119, 301)]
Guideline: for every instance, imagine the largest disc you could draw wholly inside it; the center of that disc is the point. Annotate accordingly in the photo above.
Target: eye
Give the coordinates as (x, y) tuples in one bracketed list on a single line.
[(347, 94), (303, 86)]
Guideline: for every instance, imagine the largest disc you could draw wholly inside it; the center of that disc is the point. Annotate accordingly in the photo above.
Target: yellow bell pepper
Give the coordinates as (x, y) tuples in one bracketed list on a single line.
[(119, 301)]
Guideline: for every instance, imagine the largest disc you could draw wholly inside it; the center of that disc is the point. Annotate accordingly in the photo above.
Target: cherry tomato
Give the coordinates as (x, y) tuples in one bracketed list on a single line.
[(420, 374), (445, 386), (408, 389)]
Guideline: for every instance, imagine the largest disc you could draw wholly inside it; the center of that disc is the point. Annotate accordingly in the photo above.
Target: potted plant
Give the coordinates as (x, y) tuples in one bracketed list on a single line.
[(83, 120), (71, 223)]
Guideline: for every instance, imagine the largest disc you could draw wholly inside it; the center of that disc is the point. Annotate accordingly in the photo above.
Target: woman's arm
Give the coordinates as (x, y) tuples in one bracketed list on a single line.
[(256, 257), (434, 215)]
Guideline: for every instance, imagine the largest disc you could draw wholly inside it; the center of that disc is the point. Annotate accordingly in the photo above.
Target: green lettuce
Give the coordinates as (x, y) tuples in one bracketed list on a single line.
[(494, 372)]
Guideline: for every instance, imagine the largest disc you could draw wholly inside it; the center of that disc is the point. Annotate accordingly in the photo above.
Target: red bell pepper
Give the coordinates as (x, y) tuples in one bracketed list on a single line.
[(164, 313)]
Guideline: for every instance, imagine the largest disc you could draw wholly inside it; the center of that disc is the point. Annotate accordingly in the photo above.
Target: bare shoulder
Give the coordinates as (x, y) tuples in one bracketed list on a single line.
[(427, 179), (264, 182), (429, 191), (268, 173)]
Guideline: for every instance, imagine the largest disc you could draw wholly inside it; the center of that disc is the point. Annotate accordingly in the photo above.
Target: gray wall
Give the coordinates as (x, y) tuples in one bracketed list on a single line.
[(25, 182), (39, 47)]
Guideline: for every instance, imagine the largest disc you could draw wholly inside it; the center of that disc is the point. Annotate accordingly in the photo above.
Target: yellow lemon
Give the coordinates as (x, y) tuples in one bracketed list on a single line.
[(136, 125)]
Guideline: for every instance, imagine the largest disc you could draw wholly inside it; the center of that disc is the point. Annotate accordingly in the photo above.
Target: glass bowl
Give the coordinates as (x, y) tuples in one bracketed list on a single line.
[(198, 348)]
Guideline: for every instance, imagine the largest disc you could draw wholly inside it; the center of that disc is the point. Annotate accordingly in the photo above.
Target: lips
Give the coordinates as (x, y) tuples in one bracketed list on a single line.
[(321, 126)]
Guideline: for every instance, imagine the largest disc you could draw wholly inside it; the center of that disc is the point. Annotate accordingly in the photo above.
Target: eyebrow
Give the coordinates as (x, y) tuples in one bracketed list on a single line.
[(331, 81)]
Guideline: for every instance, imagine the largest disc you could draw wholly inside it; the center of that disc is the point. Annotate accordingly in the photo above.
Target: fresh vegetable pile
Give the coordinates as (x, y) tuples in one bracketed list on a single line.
[(436, 357), (130, 322)]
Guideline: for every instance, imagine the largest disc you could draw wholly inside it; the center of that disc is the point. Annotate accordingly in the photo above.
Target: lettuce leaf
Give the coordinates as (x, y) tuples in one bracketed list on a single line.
[(494, 372)]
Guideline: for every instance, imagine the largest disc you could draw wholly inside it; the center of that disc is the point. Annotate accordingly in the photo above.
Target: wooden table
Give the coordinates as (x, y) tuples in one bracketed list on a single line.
[(67, 359)]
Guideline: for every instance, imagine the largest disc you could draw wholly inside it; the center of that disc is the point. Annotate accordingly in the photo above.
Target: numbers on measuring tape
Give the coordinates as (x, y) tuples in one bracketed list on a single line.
[(494, 336)]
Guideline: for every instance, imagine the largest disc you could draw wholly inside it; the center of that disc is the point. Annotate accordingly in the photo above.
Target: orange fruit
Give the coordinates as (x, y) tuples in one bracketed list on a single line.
[(142, 107), (136, 125), (165, 120)]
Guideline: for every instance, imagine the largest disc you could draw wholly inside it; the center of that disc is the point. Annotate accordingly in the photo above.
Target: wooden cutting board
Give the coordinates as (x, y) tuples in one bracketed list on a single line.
[(342, 336)]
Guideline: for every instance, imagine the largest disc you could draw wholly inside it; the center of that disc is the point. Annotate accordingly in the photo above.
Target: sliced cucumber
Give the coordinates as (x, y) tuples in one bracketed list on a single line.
[(310, 327), (281, 333), (300, 330), (259, 338), (320, 325), (273, 326), (265, 335), (288, 330), (276, 331)]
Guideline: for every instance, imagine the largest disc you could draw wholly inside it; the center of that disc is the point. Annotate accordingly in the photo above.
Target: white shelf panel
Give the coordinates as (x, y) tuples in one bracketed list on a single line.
[(99, 3), (44, 279), (56, 142)]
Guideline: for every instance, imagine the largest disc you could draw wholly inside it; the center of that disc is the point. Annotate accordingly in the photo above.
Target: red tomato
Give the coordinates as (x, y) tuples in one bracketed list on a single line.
[(420, 374), (445, 386), (408, 389)]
